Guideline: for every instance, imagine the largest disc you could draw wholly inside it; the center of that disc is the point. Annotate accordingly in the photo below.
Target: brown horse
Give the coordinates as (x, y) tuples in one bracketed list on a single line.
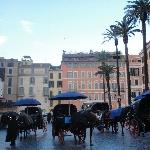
[(80, 122)]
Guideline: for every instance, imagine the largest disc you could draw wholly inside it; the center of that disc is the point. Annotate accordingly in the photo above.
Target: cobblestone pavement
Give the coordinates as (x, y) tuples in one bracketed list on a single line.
[(101, 141)]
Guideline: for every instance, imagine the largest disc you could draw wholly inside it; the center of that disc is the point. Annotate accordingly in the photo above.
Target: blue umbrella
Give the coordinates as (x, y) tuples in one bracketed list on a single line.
[(27, 102), (69, 96), (138, 97), (146, 93)]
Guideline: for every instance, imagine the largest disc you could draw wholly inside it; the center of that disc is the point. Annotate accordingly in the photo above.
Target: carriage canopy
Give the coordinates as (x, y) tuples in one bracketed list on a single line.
[(142, 107), (62, 109)]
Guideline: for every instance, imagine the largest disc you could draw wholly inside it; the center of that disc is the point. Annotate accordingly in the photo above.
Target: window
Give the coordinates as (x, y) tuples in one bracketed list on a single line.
[(59, 84), (75, 86), (75, 74), (45, 80), (46, 70), (9, 90), (59, 75), (83, 74), (136, 82), (114, 87), (22, 71), (89, 74), (9, 82), (101, 85), (2, 64), (2, 73), (21, 91), (83, 85), (134, 71), (32, 80), (32, 70), (69, 74), (10, 64), (122, 89), (51, 75), (45, 91), (133, 94), (21, 81), (96, 85), (51, 84), (51, 94), (10, 71), (89, 85), (70, 86), (31, 93)]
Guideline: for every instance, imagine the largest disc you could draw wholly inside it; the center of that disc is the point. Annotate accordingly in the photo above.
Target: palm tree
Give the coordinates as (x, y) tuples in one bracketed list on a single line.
[(125, 29), (106, 70), (140, 10), (102, 57), (109, 35)]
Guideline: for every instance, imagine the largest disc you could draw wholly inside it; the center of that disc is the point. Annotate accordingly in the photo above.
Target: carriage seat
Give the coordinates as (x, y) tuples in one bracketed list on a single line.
[(115, 113)]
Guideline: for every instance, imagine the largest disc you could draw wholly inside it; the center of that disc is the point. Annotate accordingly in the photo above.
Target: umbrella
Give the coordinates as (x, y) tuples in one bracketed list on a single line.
[(27, 102), (138, 97), (69, 96), (146, 93)]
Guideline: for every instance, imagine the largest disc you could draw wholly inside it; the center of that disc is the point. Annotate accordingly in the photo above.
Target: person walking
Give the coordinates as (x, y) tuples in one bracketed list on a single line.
[(12, 131), (49, 117)]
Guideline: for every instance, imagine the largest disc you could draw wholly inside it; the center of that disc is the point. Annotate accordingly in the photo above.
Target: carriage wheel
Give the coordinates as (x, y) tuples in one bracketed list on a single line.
[(134, 127), (61, 136)]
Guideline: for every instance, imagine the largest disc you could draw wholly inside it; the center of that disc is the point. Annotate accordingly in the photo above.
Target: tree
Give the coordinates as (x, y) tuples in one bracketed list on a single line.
[(140, 10), (125, 29), (102, 57), (106, 70), (109, 35)]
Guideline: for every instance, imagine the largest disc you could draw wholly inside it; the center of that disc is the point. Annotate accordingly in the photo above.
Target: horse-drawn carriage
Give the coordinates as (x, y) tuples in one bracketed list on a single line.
[(139, 117), (62, 119), (66, 118), (36, 114)]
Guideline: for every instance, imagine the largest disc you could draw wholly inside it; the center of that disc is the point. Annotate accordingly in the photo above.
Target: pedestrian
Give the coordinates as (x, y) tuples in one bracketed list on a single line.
[(12, 131), (49, 117)]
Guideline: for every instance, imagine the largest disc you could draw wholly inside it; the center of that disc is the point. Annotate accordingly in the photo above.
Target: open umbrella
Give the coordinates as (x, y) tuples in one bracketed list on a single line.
[(69, 96), (27, 102), (141, 96), (138, 97), (146, 93)]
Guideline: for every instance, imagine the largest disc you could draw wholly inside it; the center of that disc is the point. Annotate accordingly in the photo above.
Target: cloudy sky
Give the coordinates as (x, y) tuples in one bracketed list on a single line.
[(42, 29)]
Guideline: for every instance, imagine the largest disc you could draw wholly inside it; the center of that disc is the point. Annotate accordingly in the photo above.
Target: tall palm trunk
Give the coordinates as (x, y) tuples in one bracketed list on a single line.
[(145, 56), (108, 87), (104, 88), (118, 82), (128, 74)]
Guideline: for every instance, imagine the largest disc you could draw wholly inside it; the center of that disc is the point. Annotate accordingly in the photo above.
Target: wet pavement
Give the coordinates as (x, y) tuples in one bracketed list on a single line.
[(101, 141)]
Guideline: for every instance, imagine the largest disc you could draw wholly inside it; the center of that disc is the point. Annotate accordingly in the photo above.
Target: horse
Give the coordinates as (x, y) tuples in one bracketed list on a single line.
[(25, 123), (6, 116), (112, 117), (80, 122)]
